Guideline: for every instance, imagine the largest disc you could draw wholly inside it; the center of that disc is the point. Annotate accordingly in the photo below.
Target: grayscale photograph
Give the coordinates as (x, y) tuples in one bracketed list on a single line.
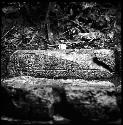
[(61, 62)]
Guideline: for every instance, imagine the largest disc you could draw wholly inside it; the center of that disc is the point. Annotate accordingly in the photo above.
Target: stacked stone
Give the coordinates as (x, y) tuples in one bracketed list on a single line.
[(67, 83)]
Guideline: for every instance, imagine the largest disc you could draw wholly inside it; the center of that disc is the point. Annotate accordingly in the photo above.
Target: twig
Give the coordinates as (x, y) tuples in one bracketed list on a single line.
[(33, 37), (8, 32)]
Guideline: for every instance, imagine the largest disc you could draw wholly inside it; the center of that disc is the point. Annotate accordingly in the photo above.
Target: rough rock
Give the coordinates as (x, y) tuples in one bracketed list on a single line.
[(119, 96), (28, 100), (81, 64), (93, 102), (41, 99)]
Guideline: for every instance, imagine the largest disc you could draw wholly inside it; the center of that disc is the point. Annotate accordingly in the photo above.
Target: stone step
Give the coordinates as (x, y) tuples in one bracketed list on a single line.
[(82, 64), (26, 97)]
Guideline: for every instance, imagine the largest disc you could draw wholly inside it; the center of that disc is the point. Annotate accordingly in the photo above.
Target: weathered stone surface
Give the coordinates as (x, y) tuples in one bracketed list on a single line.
[(28, 100), (82, 64), (119, 96), (41, 99), (93, 102)]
